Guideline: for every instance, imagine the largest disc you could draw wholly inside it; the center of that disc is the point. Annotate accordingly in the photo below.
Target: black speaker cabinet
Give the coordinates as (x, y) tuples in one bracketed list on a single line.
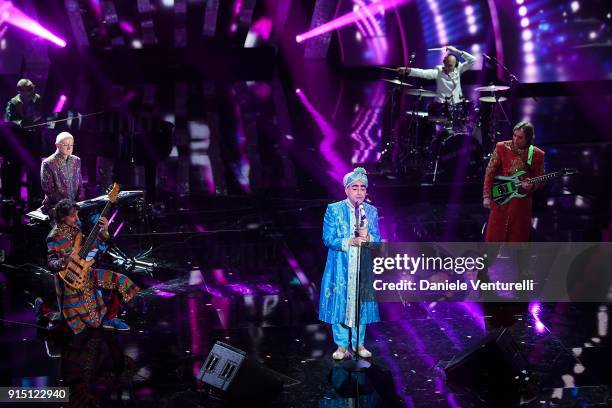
[(238, 376), (494, 360)]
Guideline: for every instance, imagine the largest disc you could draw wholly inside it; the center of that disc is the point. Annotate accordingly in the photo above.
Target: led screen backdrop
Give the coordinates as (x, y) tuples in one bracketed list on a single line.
[(540, 41)]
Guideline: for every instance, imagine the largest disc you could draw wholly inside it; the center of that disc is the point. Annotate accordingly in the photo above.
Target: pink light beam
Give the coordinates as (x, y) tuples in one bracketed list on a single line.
[(337, 166), (60, 104), (349, 18), (17, 18)]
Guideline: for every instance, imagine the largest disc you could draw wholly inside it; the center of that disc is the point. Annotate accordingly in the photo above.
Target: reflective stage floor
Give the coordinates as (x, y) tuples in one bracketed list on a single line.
[(246, 272)]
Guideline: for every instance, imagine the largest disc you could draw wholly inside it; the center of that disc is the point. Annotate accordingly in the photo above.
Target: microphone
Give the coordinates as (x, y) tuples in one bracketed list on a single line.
[(357, 217), (362, 216)]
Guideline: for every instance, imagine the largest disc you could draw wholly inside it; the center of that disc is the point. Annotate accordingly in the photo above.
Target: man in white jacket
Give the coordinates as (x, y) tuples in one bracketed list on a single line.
[(447, 75)]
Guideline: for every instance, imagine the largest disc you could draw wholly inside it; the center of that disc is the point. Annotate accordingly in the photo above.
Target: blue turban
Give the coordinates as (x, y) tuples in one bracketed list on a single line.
[(359, 174)]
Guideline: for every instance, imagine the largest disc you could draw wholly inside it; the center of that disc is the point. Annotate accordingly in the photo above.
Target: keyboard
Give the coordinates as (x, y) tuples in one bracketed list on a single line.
[(91, 204)]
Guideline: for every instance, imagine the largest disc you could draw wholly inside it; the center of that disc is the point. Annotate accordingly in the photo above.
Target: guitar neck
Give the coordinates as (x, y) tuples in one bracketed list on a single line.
[(544, 177), (91, 238)]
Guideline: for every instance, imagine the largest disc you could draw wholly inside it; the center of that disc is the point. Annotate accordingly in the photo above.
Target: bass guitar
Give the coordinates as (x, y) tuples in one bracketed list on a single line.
[(77, 270)]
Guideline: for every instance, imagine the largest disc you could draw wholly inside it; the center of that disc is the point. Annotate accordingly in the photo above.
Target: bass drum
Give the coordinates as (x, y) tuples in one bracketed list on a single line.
[(438, 112), (461, 111), (458, 156)]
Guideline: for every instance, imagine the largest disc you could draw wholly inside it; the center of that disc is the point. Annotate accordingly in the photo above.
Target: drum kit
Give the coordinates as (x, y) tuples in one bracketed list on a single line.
[(447, 138)]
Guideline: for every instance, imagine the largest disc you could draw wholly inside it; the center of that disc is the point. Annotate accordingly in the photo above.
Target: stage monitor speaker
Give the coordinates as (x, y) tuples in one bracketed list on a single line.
[(238, 376), (494, 360)]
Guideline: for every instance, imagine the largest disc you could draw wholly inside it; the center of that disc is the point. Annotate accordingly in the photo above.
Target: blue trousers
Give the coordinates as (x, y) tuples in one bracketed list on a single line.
[(341, 335)]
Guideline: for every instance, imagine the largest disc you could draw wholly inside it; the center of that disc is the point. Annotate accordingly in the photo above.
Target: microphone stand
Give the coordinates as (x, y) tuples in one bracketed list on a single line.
[(389, 152), (514, 82), (493, 125), (63, 120), (357, 364), (413, 125), (513, 79)]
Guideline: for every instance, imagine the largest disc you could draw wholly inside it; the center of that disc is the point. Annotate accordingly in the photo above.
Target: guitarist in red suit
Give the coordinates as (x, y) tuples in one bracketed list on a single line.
[(511, 222)]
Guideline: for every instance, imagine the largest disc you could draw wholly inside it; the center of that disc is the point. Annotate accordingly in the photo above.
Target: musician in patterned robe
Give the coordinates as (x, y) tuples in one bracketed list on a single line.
[(85, 308), (512, 222), (338, 287), (60, 173)]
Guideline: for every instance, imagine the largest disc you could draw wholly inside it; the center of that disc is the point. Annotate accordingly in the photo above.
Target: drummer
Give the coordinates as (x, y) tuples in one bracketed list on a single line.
[(447, 75)]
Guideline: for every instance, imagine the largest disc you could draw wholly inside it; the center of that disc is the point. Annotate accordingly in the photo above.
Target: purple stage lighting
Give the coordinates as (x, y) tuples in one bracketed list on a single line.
[(17, 18), (163, 293), (118, 230), (349, 18), (535, 309), (337, 166), (110, 220), (60, 104), (263, 28), (127, 27)]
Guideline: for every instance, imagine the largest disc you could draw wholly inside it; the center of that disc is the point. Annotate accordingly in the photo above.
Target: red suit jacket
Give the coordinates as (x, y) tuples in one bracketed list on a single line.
[(511, 222)]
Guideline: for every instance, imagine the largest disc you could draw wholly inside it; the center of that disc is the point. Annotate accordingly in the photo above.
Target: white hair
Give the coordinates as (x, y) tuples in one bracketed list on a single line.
[(62, 136)]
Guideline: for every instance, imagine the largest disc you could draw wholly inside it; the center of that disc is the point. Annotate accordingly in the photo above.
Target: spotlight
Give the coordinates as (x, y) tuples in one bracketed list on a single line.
[(350, 18), (15, 17), (575, 6)]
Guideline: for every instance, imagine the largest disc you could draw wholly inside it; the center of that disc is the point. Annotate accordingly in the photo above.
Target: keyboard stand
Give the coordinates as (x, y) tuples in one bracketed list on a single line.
[(129, 264)]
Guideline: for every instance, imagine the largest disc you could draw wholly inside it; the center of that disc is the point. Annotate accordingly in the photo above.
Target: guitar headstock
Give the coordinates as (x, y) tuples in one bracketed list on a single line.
[(113, 192), (568, 172)]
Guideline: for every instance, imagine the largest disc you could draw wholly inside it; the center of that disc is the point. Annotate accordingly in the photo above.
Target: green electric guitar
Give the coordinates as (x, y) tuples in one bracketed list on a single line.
[(505, 188)]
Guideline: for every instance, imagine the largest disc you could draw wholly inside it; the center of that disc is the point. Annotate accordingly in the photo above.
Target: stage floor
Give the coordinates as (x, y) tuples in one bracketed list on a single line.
[(251, 279)]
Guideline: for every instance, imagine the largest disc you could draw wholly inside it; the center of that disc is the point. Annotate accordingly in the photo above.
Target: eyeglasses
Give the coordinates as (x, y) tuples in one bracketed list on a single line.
[(65, 145)]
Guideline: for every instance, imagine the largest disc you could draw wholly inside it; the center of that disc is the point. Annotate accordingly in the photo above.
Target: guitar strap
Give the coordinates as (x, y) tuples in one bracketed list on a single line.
[(530, 155)]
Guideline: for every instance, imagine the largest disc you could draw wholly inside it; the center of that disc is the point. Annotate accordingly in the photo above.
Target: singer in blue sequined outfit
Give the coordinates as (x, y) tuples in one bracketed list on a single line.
[(338, 288)]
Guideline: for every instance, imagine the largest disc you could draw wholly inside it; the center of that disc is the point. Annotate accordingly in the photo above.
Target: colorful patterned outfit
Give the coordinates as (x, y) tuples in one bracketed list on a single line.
[(61, 178), (85, 308), (338, 288), (511, 222)]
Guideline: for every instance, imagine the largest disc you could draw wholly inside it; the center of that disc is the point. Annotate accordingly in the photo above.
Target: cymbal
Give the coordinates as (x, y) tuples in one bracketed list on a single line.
[(492, 88), (421, 92), (396, 82), (491, 99)]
